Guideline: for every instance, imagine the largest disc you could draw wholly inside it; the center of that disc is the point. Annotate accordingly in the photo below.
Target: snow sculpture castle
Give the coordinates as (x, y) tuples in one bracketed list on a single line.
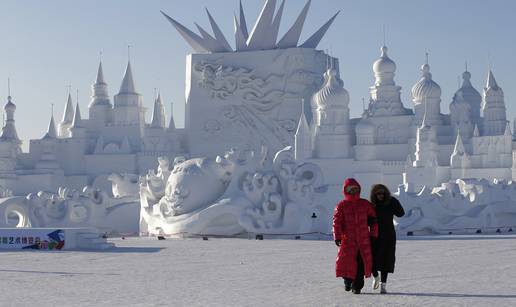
[(393, 144), (254, 95), (79, 152)]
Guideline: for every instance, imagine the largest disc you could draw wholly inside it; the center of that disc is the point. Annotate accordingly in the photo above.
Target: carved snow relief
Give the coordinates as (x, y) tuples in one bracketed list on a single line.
[(225, 81), (240, 192), (71, 208), (461, 206)]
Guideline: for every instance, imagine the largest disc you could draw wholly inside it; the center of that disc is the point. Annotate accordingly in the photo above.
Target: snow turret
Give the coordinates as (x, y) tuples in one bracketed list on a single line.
[(303, 138), (128, 109), (9, 130), (471, 96), (332, 124), (9, 147), (47, 161), (127, 86), (384, 69), (100, 105), (158, 114), (332, 102), (77, 129), (66, 122), (459, 158), (427, 148), (427, 92), (332, 94), (493, 108), (465, 108), (51, 131), (385, 94)]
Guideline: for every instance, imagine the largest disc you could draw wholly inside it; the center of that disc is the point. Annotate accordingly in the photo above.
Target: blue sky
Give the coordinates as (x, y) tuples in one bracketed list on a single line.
[(48, 45)]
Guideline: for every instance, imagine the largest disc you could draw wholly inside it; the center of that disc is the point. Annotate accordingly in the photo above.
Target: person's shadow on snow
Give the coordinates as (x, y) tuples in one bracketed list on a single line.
[(453, 295)]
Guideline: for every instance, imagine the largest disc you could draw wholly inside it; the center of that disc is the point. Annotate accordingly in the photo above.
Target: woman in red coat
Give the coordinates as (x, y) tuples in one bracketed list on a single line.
[(354, 222)]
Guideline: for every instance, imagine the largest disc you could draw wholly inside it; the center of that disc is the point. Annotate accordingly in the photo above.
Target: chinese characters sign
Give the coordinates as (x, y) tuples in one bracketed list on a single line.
[(30, 238)]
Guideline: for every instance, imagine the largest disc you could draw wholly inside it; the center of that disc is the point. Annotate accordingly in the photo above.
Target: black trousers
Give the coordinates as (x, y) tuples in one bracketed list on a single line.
[(358, 282), (384, 274)]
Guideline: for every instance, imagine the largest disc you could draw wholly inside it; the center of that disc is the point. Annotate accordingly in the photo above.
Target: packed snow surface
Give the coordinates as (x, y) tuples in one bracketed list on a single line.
[(431, 271)]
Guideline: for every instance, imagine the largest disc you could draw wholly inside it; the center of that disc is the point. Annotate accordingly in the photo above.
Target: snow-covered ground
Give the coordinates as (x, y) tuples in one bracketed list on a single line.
[(431, 271)]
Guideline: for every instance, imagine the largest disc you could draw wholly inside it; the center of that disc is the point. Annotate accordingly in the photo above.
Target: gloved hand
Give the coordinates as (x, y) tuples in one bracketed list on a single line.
[(337, 242)]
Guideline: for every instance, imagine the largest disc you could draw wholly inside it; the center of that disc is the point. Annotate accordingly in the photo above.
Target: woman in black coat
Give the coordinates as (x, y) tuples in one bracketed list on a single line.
[(384, 248)]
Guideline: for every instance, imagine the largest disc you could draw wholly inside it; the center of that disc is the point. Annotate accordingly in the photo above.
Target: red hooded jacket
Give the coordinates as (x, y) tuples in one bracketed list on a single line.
[(354, 221)]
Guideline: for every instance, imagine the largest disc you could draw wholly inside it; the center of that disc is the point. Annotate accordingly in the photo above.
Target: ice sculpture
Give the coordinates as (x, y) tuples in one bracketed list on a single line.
[(124, 184), (238, 193), (89, 208), (461, 206), (263, 36)]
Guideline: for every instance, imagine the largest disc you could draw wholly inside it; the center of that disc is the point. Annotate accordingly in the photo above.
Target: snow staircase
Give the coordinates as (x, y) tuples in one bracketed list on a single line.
[(91, 239)]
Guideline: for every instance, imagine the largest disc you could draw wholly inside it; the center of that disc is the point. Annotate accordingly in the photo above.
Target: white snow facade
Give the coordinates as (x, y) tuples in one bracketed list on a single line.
[(275, 92), (84, 151), (417, 146)]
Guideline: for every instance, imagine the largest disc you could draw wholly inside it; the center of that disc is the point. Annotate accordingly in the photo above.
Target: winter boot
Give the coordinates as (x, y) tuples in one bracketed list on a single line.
[(356, 291), (347, 284), (376, 282), (383, 288)]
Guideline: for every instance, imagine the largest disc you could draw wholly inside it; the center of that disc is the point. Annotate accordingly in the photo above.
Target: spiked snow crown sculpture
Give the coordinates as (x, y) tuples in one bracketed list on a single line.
[(263, 36)]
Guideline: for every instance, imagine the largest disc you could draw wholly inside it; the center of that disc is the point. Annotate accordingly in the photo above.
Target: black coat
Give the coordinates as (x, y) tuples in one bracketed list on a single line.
[(384, 248)]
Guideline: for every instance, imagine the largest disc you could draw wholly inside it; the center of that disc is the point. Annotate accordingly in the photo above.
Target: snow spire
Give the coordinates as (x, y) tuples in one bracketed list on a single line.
[(99, 92), (459, 158), (9, 129), (243, 23), (240, 39), (459, 145), (66, 122), (171, 124), (127, 86), (210, 40), (316, 38), (158, 113), (77, 117), (491, 81), (303, 138), (273, 35), (194, 40), (493, 107), (219, 36), (51, 131), (291, 38), (68, 111), (100, 75), (263, 36), (258, 37), (302, 126)]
